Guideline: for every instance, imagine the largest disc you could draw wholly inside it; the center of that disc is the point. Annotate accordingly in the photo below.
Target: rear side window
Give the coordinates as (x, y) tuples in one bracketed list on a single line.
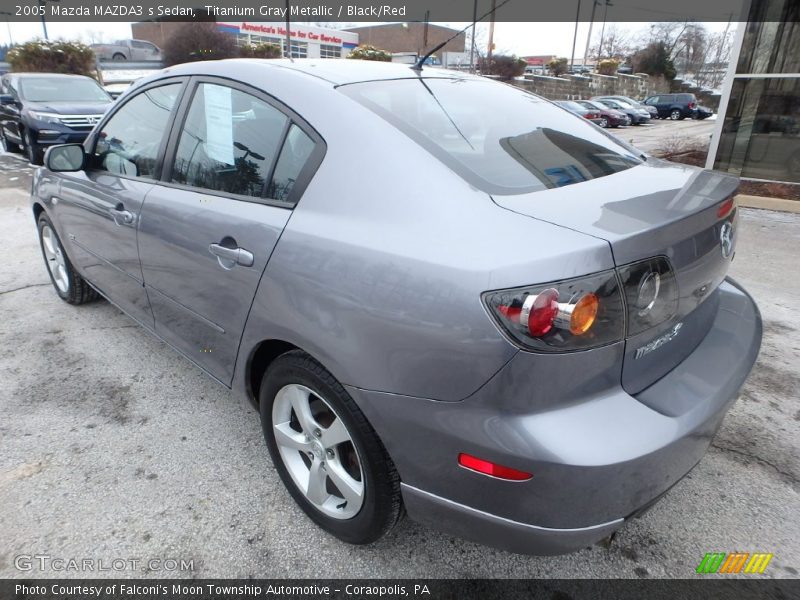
[(297, 149), (498, 137), (129, 142), (229, 142)]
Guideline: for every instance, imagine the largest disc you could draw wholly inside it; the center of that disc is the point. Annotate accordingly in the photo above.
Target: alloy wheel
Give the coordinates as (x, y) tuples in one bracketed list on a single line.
[(318, 451), (55, 259), (675, 115), (603, 123)]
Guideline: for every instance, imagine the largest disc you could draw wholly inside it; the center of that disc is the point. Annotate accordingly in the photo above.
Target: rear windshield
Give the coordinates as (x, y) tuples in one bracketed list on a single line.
[(498, 137)]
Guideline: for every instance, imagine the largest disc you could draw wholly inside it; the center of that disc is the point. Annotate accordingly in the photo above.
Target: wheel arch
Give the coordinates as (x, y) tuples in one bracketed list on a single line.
[(38, 209), (259, 360)]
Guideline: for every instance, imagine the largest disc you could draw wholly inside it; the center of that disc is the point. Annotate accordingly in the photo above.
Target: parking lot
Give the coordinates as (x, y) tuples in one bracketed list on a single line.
[(112, 446), (660, 133)]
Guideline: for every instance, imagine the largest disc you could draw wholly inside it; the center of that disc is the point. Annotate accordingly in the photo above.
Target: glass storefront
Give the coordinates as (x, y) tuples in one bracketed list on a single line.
[(760, 136)]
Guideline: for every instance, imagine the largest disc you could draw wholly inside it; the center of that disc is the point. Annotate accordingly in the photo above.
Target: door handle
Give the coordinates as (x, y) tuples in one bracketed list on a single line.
[(235, 256), (120, 215)]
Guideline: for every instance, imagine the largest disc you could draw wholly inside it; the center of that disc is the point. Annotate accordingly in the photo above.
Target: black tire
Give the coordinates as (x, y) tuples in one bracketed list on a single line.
[(78, 291), (603, 123), (119, 56), (675, 114), (8, 146), (382, 505), (33, 150)]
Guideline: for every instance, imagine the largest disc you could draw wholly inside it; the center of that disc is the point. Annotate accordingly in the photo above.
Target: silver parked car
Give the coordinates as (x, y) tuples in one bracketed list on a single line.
[(445, 295)]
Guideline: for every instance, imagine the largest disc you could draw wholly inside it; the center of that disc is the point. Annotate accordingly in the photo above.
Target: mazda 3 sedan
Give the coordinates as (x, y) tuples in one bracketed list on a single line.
[(446, 296)]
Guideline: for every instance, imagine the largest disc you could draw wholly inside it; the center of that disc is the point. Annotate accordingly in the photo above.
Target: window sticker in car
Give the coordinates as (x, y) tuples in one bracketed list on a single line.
[(219, 123)]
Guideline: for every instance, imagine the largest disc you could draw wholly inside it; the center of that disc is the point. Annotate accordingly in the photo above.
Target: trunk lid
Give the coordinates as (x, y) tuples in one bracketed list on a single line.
[(654, 209)]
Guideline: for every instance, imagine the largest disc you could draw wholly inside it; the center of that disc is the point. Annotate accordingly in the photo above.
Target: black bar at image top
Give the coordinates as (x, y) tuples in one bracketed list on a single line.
[(357, 11)]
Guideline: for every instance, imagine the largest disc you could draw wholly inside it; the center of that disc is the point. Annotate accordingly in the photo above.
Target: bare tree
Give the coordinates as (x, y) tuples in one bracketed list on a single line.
[(617, 44)]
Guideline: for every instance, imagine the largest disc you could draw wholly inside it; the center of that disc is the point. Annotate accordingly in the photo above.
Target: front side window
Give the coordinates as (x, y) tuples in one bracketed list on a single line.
[(229, 142), (130, 141)]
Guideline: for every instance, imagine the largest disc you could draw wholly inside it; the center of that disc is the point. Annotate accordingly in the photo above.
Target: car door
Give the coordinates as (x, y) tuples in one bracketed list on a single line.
[(98, 209), (10, 111), (208, 230)]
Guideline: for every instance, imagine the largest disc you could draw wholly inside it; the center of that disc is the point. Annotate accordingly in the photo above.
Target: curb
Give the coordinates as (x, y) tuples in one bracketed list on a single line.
[(792, 206)]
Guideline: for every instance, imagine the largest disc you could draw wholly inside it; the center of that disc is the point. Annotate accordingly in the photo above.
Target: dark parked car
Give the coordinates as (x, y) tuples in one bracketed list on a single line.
[(592, 115), (498, 316), (703, 112), (634, 103), (673, 106), (638, 116), (609, 117), (38, 110)]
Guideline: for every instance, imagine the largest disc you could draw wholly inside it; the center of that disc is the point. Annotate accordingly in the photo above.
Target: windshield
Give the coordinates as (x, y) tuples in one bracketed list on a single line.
[(500, 138), (57, 89)]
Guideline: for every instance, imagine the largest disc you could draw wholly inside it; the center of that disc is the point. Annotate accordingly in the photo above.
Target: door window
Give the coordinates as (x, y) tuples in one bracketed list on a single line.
[(130, 141), (295, 153), (231, 140)]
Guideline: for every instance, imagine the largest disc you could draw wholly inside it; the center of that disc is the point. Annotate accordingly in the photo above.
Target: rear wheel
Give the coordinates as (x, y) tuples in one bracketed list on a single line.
[(70, 286), (603, 122), (675, 114), (328, 456)]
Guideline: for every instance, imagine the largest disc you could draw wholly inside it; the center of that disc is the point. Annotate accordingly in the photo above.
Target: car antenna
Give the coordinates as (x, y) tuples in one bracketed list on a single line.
[(418, 65), (288, 35)]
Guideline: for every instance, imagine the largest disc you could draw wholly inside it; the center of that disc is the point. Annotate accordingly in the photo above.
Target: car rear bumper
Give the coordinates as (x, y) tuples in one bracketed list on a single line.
[(596, 461)]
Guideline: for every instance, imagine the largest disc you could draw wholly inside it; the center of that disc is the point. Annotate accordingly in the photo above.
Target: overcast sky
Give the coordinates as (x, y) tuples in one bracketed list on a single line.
[(522, 39)]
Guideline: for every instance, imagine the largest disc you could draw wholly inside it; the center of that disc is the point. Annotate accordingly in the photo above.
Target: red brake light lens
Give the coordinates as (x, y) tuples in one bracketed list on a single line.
[(725, 208), (574, 314), (492, 469)]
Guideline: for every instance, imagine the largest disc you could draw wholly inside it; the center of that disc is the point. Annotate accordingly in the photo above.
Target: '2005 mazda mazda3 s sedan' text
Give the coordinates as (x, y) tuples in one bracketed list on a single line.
[(447, 296)]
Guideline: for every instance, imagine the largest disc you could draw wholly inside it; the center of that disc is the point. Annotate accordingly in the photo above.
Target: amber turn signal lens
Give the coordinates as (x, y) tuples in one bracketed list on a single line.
[(584, 314)]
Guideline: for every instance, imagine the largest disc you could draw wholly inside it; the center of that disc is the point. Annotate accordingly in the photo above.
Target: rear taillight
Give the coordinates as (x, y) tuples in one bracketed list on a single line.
[(692, 104), (568, 315), (651, 293)]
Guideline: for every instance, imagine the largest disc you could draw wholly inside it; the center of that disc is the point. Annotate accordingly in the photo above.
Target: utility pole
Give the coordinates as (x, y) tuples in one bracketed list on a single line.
[(491, 35), (472, 40), (603, 31), (575, 36), (589, 37)]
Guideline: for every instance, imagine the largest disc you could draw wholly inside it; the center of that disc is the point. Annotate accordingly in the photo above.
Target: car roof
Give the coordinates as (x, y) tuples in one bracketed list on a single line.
[(335, 71)]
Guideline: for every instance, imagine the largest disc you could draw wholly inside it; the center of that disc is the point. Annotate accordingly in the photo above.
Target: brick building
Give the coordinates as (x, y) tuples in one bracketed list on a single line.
[(409, 37)]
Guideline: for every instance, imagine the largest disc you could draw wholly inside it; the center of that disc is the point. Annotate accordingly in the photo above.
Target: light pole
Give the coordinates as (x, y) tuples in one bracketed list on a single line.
[(575, 37), (603, 31), (589, 37)]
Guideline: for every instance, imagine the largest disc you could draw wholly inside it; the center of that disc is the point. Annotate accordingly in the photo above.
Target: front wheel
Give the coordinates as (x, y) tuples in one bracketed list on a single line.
[(8, 145), (118, 56), (70, 286), (328, 456), (33, 150)]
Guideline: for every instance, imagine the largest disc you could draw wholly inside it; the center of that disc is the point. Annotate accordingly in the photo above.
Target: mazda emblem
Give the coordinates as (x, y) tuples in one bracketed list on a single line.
[(726, 239)]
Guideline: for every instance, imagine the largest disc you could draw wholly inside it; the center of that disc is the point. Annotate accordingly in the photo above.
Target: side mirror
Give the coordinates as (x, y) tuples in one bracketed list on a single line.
[(6, 99), (65, 158)]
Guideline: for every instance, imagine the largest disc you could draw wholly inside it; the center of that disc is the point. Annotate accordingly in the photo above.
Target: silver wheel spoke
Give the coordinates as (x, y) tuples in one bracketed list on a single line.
[(351, 489), (289, 438), (302, 409), (315, 492), (335, 434)]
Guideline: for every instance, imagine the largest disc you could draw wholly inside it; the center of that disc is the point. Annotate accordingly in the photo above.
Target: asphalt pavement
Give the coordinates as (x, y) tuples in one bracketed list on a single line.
[(113, 447)]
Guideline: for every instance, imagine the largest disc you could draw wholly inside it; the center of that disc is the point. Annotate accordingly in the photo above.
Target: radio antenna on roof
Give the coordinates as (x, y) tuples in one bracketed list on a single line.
[(418, 65), (288, 34)]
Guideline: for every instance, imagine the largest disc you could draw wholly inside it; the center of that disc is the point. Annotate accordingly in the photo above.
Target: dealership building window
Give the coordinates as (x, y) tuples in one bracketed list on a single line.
[(758, 136), (328, 51)]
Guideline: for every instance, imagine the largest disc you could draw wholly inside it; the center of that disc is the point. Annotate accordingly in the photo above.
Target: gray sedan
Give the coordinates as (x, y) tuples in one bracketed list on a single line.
[(444, 295)]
